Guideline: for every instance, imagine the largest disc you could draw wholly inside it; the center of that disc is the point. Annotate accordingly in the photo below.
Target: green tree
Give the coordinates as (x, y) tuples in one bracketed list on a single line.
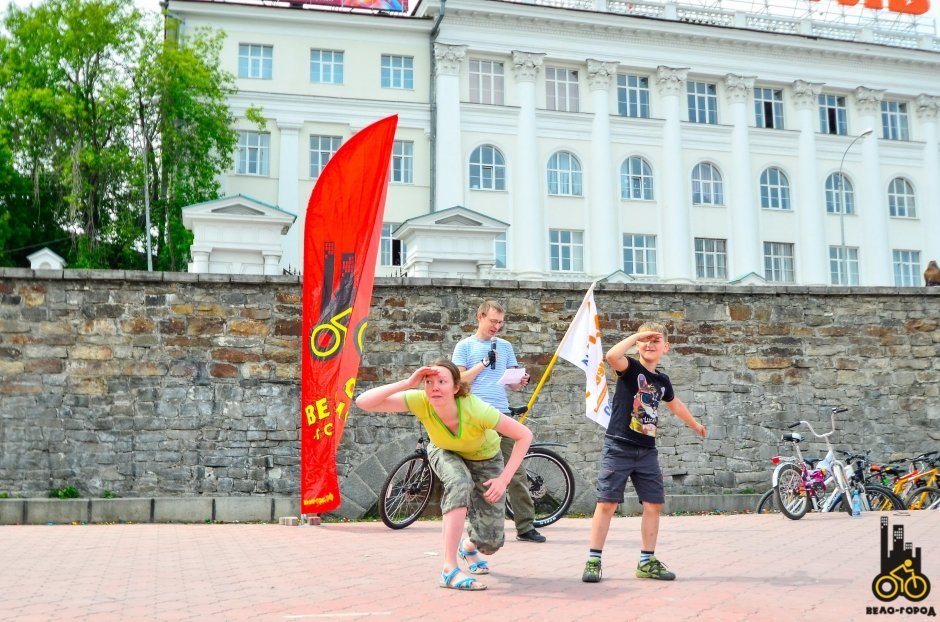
[(191, 137), (79, 79)]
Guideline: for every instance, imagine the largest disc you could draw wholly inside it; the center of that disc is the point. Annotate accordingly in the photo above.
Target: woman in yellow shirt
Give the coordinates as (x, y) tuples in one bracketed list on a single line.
[(464, 453)]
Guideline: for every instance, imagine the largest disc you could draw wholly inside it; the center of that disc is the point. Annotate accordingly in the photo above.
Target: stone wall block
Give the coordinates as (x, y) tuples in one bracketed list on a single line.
[(205, 326), (248, 328)]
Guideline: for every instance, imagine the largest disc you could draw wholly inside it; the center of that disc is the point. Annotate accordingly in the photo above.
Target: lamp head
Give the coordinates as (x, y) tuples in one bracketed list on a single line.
[(865, 133)]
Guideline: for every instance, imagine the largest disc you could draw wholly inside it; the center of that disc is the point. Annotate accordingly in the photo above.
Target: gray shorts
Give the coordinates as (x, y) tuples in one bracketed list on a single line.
[(621, 461)]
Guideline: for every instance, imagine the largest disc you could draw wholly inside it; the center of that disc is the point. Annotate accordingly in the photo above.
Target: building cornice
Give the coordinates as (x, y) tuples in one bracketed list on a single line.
[(544, 20)]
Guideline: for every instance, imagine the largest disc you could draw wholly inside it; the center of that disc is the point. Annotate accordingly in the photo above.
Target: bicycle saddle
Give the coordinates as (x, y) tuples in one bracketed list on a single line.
[(792, 437), (515, 411)]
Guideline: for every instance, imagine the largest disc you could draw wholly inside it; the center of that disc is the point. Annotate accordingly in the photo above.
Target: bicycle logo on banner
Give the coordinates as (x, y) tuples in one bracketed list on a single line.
[(900, 568), (329, 336)]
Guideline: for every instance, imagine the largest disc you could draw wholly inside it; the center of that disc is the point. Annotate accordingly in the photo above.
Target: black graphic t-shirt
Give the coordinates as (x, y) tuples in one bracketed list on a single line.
[(635, 411)]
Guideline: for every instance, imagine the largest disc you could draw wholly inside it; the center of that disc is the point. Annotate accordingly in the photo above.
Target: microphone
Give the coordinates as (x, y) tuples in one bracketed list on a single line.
[(493, 355)]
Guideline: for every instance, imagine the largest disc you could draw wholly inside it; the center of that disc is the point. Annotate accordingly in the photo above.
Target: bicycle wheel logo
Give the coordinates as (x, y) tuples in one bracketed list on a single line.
[(900, 568)]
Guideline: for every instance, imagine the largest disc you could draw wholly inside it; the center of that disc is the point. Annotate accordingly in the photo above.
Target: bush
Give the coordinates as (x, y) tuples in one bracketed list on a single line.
[(66, 492)]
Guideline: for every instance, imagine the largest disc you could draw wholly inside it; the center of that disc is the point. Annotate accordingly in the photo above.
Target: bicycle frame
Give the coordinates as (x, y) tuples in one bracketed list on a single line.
[(810, 483), (822, 481)]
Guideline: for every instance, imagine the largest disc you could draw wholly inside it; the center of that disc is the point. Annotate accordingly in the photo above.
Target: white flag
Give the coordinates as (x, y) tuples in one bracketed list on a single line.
[(582, 347)]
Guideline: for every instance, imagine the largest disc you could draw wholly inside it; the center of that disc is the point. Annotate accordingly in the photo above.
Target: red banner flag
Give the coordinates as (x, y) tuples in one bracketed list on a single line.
[(341, 242)]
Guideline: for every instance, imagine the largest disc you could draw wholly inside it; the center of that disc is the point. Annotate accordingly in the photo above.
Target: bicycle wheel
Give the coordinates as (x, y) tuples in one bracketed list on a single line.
[(551, 485), (923, 498), (880, 499), (406, 492), (766, 504), (790, 494)]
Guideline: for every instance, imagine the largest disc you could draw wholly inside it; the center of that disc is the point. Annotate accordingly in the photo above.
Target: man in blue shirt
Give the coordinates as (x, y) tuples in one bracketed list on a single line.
[(482, 358)]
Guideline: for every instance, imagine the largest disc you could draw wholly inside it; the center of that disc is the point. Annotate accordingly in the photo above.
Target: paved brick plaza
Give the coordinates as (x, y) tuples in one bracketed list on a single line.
[(741, 567)]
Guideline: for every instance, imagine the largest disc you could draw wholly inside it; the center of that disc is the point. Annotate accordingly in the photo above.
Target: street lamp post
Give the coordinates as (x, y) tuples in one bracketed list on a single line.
[(843, 252), (143, 129)]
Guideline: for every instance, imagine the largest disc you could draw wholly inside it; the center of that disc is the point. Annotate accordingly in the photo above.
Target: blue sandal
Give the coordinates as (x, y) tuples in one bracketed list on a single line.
[(467, 584), (479, 567)]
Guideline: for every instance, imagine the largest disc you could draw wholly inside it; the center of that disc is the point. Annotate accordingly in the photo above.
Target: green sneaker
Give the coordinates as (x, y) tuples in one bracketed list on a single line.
[(654, 569), (592, 571)]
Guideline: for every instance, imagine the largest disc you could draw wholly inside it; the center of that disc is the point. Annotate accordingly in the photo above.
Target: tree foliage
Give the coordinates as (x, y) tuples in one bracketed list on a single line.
[(90, 91)]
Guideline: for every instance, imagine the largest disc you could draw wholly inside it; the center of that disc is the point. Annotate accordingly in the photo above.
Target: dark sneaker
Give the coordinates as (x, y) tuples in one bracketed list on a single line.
[(654, 569), (592, 571), (531, 536)]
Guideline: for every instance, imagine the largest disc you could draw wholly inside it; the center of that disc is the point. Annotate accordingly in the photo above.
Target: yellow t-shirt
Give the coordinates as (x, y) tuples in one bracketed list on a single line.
[(476, 437)]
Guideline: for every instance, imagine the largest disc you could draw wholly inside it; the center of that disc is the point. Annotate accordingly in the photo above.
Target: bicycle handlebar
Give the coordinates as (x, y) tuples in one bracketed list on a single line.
[(832, 419)]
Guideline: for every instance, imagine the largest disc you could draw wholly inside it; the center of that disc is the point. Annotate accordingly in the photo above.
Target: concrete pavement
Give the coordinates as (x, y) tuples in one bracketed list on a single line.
[(737, 567)]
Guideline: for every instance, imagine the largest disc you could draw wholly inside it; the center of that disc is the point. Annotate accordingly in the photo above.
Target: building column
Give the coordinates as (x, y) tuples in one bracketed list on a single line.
[(288, 183), (604, 233), (928, 201), (871, 196), (528, 237), (745, 248), (271, 261), (675, 224), (200, 263), (448, 163), (813, 251)]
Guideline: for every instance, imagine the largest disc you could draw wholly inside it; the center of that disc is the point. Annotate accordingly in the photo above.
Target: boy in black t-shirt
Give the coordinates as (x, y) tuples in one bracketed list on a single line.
[(630, 447)]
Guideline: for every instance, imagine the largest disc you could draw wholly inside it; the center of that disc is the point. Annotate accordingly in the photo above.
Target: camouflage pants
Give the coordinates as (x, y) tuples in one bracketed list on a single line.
[(462, 482)]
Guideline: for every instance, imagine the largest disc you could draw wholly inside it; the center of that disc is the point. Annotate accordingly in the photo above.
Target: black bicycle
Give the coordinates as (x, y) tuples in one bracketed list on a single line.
[(410, 484)]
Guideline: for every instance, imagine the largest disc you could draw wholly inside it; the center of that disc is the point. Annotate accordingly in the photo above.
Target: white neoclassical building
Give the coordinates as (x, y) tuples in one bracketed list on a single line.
[(662, 141)]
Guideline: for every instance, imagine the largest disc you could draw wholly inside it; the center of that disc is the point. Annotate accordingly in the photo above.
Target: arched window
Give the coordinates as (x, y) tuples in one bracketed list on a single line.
[(774, 189), (636, 179), (837, 186), (901, 198), (564, 174), (706, 185), (487, 169)]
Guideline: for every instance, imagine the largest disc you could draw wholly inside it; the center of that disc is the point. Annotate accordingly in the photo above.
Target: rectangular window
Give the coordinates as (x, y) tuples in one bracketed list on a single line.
[(254, 61), (561, 89), (711, 258), (391, 251), (703, 102), (253, 153), (486, 82), (499, 250), (768, 108), (566, 250), (843, 265), (403, 162), (326, 67), (832, 115), (322, 149), (906, 268), (778, 262), (639, 254), (398, 72), (894, 121), (633, 96)]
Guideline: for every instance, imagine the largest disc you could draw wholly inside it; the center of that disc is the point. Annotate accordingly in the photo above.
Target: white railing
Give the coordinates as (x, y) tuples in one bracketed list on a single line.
[(849, 24)]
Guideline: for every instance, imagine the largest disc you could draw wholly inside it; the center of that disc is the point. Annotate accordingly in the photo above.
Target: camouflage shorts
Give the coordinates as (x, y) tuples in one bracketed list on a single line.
[(463, 487)]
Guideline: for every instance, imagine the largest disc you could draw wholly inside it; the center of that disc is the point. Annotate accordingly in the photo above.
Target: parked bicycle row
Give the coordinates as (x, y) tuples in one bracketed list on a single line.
[(848, 481)]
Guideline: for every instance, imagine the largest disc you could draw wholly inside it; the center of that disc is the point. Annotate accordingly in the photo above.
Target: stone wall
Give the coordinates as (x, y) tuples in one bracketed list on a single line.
[(167, 384)]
